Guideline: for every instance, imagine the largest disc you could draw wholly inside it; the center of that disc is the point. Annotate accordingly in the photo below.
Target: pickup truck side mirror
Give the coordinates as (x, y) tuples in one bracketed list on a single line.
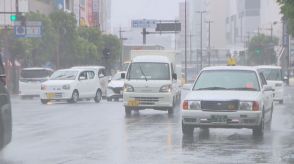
[(123, 75), (174, 76), (267, 88)]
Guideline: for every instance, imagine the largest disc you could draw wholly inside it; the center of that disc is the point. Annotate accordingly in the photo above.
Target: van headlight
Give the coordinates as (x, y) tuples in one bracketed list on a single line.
[(128, 88), (66, 87), (166, 88)]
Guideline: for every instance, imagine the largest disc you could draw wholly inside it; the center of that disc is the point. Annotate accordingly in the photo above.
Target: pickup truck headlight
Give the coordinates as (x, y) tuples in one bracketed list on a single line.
[(166, 88), (191, 105), (128, 88), (249, 106), (66, 87)]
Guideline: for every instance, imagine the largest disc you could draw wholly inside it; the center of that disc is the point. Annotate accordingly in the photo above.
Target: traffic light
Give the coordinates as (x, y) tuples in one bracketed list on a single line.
[(13, 18), (257, 51), (106, 52)]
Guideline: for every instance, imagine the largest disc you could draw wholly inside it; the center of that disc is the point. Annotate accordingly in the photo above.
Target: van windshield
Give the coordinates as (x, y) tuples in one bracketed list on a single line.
[(149, 71), (38, 73), (272, 74)]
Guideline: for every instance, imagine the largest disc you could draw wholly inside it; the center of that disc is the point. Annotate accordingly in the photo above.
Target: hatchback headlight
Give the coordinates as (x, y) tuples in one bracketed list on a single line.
[(43, 87), (166, 88), (66, 87), (192, 105), (128, 88)]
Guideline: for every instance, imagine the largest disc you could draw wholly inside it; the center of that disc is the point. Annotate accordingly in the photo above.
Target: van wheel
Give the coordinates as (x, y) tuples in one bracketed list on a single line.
[(128, 111), (98, 96), (44, 101), (74, 97)]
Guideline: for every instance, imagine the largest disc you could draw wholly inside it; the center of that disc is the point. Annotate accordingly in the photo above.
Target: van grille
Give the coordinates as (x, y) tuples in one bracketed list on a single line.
[(147, 100)]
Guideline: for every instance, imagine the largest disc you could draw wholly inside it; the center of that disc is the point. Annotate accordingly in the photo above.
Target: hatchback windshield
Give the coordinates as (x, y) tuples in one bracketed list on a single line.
[(272, 74), (227, 80), (149, 71), (38, 73), (64, 75)]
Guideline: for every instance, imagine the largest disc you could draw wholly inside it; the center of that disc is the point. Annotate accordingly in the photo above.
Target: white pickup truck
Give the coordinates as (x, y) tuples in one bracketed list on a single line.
[(151, 83), (228, 97)]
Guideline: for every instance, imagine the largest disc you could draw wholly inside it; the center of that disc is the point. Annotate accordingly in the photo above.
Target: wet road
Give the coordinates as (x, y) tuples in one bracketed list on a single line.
[(89, 133)]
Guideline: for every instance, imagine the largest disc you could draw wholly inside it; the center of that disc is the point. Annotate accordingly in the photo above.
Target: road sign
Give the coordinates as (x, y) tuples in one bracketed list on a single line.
[(144, 23), (176, 26), (33, 29)]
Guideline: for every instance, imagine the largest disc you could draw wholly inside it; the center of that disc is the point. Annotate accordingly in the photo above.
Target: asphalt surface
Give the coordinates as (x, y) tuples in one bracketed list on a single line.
[(90, 133)]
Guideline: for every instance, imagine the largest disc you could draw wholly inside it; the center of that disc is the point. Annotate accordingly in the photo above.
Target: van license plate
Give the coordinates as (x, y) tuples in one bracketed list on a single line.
[(133, 103)]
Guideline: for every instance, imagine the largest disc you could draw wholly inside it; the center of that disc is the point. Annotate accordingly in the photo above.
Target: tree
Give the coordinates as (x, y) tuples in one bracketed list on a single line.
[(287, 9), (261, 50)]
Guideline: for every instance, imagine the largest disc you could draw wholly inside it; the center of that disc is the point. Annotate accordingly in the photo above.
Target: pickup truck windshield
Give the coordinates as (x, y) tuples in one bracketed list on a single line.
[(227, 80), (149, 71)]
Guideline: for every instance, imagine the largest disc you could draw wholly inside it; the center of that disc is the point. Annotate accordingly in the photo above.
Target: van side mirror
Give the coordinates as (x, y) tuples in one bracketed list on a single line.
[(123, 75), (174, 76)]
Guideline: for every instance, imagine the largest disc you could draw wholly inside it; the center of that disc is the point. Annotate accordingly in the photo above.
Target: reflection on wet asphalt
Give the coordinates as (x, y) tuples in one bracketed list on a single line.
[(100, 133)]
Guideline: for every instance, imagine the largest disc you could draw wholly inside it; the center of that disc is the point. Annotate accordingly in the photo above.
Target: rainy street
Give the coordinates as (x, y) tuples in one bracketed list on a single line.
[(87, 132)]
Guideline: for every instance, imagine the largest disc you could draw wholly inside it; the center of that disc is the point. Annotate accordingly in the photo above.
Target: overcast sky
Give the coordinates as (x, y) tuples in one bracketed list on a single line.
[(123, 11)]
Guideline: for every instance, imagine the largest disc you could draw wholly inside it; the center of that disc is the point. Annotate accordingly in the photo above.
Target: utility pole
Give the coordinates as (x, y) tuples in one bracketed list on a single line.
[(209, 47), (185, 41), (201, 56), (144, 35), (122, 46)]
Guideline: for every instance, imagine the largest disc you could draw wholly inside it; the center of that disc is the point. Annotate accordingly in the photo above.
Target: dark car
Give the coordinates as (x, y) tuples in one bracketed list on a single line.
[(5, 110)]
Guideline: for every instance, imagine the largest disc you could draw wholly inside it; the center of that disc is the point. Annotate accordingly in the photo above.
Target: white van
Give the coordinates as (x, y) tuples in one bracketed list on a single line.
[(274, 77), (150, 82), (30, 81)]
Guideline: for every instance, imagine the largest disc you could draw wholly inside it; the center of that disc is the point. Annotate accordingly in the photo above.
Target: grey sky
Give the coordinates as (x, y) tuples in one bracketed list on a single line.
[(123, 11)]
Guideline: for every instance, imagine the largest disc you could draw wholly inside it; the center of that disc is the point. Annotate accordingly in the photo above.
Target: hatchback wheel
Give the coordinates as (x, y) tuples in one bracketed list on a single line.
[(44, 101), (74, 97), (98, 96)]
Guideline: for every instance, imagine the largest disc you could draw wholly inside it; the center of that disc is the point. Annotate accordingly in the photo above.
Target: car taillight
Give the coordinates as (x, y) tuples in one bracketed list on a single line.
[(255, 106), (185, 105), (3, 79)]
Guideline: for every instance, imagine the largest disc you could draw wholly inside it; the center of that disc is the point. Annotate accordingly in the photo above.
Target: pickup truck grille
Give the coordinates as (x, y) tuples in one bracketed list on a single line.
[(220, 105), (147, 100)]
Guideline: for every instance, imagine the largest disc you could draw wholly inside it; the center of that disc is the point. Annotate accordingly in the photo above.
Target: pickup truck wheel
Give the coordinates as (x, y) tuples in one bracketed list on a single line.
[(44, 101), (98, 96), (187, 129), (259, 130), (128, 111)]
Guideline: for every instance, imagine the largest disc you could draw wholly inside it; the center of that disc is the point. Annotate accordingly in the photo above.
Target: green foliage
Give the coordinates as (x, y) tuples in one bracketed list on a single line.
[(63, 43), (287, 9), (261, 50)]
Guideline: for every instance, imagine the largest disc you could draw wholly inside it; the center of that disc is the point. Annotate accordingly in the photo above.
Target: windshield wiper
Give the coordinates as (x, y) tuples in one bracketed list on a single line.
[(244, 89), (212, 88), (143, 72)]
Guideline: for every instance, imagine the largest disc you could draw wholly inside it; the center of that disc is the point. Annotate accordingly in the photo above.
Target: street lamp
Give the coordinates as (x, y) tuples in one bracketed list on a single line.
[(185, 41), (201, 56)]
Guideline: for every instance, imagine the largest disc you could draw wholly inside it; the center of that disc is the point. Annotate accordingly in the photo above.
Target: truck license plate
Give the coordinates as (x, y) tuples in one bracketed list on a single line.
[(219, 118)]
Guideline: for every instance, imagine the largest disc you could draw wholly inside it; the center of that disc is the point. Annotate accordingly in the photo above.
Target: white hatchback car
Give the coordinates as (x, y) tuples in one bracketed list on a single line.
[(228, 97), (71, 85), (274, 77), (115, 87)]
